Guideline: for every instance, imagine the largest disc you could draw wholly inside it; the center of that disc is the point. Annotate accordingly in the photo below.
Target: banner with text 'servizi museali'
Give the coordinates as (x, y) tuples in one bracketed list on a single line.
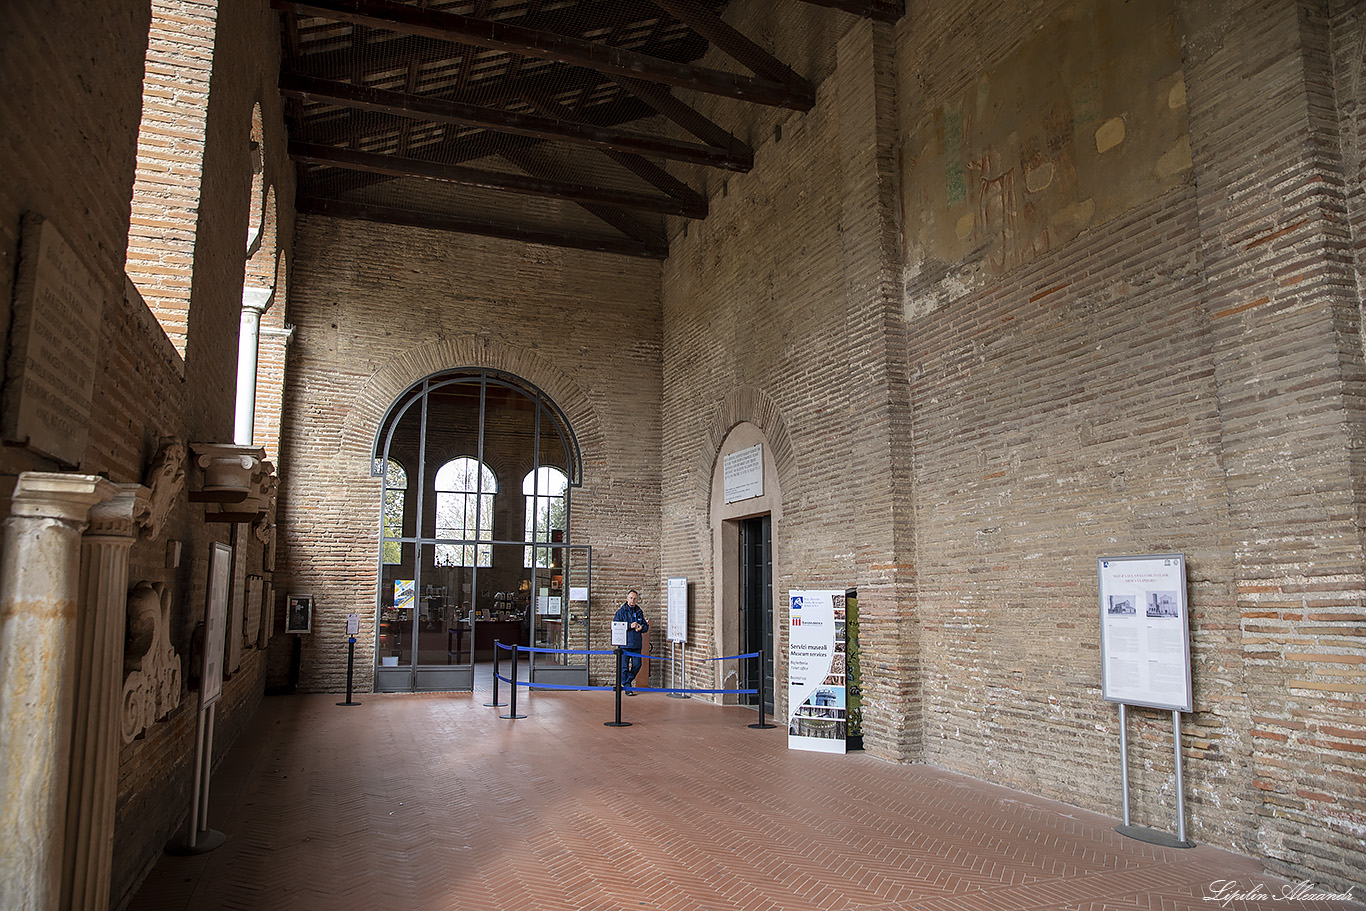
[(816, 666)]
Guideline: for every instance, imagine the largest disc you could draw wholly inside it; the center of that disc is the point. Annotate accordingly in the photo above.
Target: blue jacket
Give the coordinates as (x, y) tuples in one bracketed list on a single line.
[(628, 615)]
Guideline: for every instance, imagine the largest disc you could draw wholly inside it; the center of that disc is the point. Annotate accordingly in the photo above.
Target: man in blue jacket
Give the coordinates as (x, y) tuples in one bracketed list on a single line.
[(636, 624)]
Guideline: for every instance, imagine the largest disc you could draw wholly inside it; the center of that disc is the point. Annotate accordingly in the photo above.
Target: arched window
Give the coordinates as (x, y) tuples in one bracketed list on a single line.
[(547, 513), (395, 492), (464, 512)]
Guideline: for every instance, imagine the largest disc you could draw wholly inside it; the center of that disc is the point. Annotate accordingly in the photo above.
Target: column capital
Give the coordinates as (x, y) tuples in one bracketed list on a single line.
[(118, 516), (257, 300), (59, 495)]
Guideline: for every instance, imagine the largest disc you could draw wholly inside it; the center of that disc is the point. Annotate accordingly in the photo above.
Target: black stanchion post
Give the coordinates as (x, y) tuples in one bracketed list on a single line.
[(495, 703), (762, 723), (512, 706), (350, 669), (616, 686)]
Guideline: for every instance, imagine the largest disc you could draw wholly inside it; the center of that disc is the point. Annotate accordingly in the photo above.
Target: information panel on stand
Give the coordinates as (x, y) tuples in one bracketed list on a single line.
[(1145, 632), (816, 668), (678, 609)]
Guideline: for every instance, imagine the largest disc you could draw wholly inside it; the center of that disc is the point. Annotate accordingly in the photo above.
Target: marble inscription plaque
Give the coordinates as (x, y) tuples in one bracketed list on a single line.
[(50, 374)]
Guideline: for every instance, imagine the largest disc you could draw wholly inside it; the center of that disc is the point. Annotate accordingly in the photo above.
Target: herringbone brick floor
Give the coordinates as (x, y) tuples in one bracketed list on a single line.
[(434, 802)]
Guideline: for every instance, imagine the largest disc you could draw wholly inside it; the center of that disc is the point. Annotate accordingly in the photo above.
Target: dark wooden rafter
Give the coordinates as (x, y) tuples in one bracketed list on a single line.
[(333, 179), (663, 101), (383, 46), (622, 221), (397, 103), (643, 168), (554, 187), (878, 10), (733, 43), (389, 215), (549, 46)]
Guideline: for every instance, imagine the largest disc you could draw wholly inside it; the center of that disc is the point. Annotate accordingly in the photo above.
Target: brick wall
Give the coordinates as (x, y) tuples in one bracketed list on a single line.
[(1161, 361), (74, 94), (161, 238), (1127, 307), (379, 308)]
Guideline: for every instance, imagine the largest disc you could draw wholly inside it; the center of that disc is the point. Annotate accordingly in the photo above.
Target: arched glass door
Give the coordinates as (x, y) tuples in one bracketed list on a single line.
[(478, 470)]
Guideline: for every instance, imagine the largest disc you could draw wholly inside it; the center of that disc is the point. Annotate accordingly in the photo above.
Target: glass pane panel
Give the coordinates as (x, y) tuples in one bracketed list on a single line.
[(444, 633), (452, 436), (397, 602), (502, 602), (576, 589), (549, 624)]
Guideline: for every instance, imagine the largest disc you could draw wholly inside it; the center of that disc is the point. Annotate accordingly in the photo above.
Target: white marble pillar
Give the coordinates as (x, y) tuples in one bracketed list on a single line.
[(95, 739), (39, 587)]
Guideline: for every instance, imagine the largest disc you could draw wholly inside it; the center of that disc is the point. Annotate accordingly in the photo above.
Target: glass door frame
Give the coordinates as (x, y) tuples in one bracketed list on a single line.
[(457, 675), (566, 670)]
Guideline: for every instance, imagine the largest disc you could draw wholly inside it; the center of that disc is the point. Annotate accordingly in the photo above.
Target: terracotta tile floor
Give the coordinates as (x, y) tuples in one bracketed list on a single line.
[(434, 802)]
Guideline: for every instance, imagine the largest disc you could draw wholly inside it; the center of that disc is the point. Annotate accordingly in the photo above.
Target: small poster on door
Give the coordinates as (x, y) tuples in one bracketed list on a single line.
[(405, 593)]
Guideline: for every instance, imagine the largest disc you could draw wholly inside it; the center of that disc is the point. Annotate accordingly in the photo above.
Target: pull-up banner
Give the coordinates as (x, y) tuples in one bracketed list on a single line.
[(816, 664)]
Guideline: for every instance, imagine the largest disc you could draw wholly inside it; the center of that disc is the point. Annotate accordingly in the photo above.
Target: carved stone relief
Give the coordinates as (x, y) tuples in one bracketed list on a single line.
[(166, 478), (151, 686)]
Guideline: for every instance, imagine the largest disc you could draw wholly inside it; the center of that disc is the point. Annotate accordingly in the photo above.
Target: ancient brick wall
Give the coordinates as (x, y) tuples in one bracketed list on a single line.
[(74, 92), (193, 398), (377, 309), (1133, 328)]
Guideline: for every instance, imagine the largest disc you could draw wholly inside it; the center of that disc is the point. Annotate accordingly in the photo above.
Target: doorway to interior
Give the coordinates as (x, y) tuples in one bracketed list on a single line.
[(756, 606), (478, 469)]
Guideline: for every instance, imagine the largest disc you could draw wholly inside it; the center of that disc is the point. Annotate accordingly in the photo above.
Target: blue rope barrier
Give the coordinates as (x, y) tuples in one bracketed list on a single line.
[(560, 686), (639, 689), (679, 689), (728, 657), (564, 651), (639, 655)]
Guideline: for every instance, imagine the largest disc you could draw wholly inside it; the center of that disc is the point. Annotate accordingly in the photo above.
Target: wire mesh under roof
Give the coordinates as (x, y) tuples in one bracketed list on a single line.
[(390, 102)]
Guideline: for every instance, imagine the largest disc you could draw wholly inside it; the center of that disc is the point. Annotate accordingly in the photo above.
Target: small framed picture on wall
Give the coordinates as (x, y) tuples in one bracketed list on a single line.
[(299, 614)]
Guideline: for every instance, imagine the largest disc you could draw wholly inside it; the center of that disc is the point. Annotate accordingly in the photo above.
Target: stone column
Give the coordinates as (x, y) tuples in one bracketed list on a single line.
[(95, 741), (39, 586)]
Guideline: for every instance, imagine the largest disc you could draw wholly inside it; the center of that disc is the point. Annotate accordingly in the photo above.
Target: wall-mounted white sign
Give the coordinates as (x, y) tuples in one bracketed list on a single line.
[(744, 473)]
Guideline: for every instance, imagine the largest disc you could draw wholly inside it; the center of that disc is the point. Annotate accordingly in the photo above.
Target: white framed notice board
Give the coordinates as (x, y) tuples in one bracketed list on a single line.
[(1145, 631), (678, 609)]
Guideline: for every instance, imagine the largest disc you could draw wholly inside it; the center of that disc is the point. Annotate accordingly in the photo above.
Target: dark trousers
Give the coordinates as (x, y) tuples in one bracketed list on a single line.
[(628, 670)]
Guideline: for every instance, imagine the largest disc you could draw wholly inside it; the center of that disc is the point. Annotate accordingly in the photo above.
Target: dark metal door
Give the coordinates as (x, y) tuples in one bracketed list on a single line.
[(756, 605)]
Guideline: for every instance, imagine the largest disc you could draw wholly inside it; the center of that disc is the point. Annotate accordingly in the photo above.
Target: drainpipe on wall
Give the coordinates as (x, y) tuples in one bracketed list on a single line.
[(255, 301)]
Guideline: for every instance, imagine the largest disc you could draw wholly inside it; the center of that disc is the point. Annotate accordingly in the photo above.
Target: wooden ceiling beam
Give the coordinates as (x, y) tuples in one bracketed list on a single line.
[(541, 185), (663, 101), (643, 168), (878, 10), (622, 221), (335, 208), (733, 42), (418, 107), (430, 23)]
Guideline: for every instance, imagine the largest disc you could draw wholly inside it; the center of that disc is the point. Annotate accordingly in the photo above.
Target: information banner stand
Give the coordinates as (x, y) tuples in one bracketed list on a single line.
[(1145, 660), (816, 707), (678, 633), (199, 838)]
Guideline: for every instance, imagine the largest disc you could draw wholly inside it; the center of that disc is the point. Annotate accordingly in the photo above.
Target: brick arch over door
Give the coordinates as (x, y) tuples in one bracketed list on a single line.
[(745, 404), (380, 391)]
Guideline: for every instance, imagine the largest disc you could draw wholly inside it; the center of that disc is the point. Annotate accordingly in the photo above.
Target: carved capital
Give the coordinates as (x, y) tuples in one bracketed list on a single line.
[(58, 495), (227, 471), (119, 516)]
